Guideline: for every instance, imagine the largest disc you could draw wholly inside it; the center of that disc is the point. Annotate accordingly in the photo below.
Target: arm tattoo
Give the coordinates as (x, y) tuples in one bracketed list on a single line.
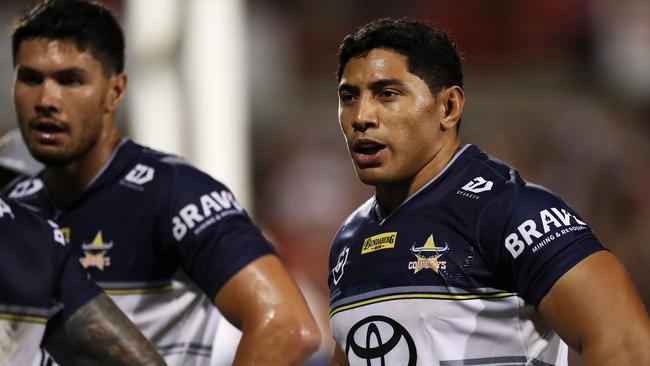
[(99, 334)]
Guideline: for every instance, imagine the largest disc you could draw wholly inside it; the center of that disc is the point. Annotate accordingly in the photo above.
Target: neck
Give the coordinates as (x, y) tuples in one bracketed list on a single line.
[(392, 195), (66, 183)]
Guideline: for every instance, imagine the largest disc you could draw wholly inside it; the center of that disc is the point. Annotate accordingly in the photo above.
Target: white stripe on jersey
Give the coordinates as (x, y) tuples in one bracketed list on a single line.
[(450, 332), (179, 319)]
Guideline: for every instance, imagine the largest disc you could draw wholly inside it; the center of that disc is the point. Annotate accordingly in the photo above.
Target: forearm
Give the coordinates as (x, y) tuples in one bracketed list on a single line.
[(99, 334), (264, 302), (279, 343)]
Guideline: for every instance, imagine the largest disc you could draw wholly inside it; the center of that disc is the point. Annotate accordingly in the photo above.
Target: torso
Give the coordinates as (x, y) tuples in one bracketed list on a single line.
[(433, 282), (140, 228)]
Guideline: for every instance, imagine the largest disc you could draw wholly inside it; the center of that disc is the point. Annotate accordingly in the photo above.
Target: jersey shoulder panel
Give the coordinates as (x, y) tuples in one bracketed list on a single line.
[(526, 231)]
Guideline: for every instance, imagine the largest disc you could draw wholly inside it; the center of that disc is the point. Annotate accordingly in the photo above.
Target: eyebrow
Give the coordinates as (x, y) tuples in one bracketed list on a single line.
[(375, 85), (348, 88), (382, 83), (71, 71)]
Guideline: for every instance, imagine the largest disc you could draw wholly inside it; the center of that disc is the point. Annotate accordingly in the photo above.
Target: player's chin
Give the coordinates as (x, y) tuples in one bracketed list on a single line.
[(371, 176), (51, 156)]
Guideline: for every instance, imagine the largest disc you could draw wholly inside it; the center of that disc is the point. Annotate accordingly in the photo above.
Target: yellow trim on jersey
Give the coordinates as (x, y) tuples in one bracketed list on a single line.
[(130, 291), (24, 318), (421, 296)]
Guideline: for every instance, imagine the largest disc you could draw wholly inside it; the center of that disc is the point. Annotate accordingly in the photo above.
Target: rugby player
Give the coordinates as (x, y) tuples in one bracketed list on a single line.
[(40, 277), (166, 241), (457, 260)]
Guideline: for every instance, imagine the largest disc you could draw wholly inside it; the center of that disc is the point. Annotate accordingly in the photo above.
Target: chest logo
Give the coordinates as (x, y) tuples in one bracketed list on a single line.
[(140, 174), (379, 242), (380, 338), (337, 271), (95, 253), (478, 185), (427, 256)]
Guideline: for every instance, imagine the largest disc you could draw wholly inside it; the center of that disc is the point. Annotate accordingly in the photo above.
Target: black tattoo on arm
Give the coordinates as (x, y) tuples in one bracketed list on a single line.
[(99, 334)]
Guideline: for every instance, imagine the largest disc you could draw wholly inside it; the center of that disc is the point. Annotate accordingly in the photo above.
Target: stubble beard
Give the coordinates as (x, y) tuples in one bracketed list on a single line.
[(69, 153)]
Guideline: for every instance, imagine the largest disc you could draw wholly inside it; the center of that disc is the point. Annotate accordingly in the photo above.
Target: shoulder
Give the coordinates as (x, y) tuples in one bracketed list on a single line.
[(25, 186), (148, 164), (352, 223), (479, 181), (25, 226)]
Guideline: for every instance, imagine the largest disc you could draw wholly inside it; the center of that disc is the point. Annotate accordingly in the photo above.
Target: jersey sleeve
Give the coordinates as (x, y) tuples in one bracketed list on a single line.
[(532, 237), (212, 233)]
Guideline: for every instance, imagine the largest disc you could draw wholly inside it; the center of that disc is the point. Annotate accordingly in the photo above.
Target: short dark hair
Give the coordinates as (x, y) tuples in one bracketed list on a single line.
[(431, 53), (89, 25)]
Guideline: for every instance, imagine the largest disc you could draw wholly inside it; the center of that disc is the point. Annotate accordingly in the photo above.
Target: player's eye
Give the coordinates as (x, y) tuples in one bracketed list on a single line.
[(29, 77), (69, 80), (345, 97), (388, 93)]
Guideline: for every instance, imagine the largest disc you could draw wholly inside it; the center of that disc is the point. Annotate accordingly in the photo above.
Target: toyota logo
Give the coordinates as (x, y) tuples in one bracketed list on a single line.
[(383, 346)]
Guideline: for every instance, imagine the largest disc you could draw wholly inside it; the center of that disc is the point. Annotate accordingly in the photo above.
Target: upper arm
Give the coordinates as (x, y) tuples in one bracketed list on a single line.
[(209, 230), (531, 238), (596, 310)]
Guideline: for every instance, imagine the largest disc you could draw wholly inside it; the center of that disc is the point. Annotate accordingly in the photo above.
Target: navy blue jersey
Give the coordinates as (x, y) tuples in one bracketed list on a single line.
[(39, 277), (160, 237), (454, 274)]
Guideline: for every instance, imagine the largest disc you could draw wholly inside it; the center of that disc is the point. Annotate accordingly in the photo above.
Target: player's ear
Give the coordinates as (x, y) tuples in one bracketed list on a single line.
[(452, 100), (116, 89)]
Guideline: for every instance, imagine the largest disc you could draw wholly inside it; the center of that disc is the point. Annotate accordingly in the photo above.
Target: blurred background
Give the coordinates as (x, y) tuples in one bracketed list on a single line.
[(246, 90)]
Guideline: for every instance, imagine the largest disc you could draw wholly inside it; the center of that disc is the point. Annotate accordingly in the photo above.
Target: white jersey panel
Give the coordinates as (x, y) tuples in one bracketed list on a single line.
[(19, 342), (186, 335), (412, 331)]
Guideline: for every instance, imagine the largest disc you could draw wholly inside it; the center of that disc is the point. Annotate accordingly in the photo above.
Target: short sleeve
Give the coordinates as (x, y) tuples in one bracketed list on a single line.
[(212, 233), (532, 238)]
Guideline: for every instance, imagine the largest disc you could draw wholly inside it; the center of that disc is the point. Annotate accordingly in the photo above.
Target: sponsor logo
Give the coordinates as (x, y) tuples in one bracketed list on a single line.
[(476, 185), (427, 256), (379, 242), (211, 208), (557, 222), (140, 175), (95, 253), (26, 188), (380, 338), (337, 271), (5, 209)]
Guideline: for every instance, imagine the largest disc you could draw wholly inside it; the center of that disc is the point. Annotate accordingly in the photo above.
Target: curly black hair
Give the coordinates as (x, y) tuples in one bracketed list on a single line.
[(431, 53), (89, 25)]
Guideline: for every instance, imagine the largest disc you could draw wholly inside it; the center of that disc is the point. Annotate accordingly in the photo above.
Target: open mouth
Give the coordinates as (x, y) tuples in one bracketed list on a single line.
[(49, 127), (48, 131), (368, 147), (368, 153)]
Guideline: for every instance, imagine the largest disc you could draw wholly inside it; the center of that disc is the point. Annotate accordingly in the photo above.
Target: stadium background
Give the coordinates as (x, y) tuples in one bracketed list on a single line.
[(246, 90)]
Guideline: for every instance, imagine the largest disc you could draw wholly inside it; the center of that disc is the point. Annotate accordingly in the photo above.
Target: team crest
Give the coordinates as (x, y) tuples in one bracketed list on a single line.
[(95, 252), (427, 256)]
